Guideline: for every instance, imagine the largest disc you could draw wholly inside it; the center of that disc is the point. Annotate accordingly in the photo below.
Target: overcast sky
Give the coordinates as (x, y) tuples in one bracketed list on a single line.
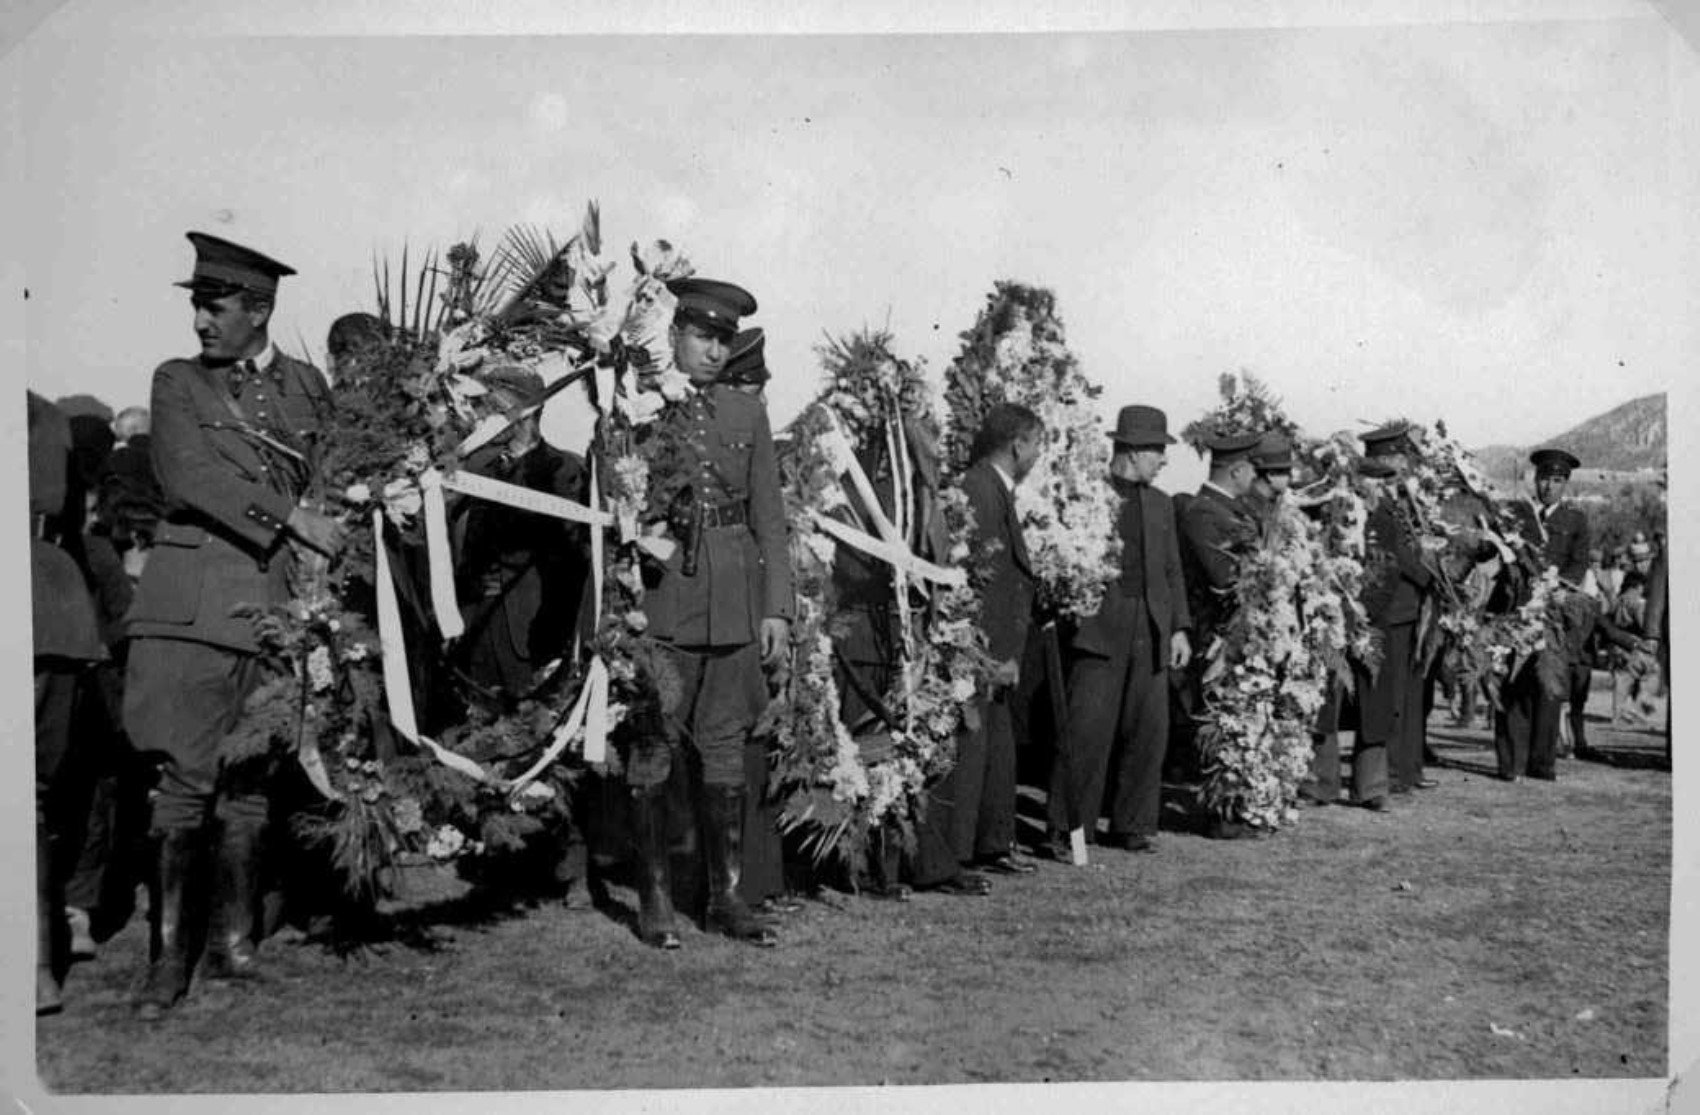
[(1489, 223)]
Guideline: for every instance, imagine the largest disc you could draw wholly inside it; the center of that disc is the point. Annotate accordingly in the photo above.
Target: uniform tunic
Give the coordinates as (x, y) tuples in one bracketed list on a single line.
[(219, 545), (721, 442), (1525, 730), (1390, 701)]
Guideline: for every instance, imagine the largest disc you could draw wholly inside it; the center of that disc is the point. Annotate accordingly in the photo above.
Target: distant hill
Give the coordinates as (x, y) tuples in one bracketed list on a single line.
[(1624, 439)]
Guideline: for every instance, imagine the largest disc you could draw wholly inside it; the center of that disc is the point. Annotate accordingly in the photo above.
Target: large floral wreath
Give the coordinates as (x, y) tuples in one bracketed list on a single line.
[(406, 414), (1015, 353), (837, 787)]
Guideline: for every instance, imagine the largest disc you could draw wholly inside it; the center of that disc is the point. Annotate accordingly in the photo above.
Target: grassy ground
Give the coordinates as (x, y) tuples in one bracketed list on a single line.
[(1480, 929)]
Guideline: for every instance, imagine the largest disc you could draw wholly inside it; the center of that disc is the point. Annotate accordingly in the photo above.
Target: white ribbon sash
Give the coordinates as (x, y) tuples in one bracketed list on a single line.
[(895, 554), (525, 499), (589, 715), (398, 686), (439, 558)]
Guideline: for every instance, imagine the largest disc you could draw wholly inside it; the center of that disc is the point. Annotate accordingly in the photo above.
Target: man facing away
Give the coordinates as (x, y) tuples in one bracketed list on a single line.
[(233, 445), (1118, 686)]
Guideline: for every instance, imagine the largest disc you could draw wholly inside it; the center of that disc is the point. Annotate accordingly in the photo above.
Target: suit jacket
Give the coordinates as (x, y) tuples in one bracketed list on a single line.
[(1216, 531), (1563, 541), (1395, 594), (539, 562), (227, 496), (62, 614), (1007, 594), (725, 445), (1151, 571)]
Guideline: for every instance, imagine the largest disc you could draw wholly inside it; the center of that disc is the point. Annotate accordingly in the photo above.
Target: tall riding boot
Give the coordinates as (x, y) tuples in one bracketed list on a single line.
[(723, 838), (655, 887), (230, 942), (178, 857)]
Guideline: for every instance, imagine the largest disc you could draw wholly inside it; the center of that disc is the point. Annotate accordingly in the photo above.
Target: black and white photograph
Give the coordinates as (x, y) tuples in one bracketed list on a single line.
[(787, 555)]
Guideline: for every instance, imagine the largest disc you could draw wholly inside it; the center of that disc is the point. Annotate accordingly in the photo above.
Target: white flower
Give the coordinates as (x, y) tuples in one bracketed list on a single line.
[(319, 670), (446, 843), (357, 494)]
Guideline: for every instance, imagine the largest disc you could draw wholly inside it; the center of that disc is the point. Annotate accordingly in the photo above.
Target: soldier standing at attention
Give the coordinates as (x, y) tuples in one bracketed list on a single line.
[(1550, 534), (722, 608), (233, 440)]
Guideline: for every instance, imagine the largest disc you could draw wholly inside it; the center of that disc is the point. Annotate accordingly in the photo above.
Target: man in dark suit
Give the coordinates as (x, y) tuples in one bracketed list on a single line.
[(1118, 687), (980, 792), (520, 574), (233, 446), (1549, 534), (721, 606)]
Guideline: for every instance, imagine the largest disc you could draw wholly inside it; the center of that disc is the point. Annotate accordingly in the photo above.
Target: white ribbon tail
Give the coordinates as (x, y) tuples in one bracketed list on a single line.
[(836, 446), (398, 687), (525, 499), (592, 699), (897, 555), (438, 559), (313, 764)]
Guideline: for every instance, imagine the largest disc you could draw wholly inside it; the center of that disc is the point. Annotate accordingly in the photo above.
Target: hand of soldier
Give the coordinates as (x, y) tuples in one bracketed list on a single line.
[(1180, 651), (321, 532), (775, 637)]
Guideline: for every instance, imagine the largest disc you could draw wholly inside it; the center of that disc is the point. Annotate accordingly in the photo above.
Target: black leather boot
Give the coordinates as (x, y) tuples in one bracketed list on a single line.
[(49, 914), (655, 887), (230, 939), (167, 980), (723, 848)]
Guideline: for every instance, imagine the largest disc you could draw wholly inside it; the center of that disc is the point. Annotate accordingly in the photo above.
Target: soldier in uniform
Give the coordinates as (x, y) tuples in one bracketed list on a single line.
[(1549, 534), (233, 441), (1217, 528), (722, 608), (1273, 460), (1118, 687)]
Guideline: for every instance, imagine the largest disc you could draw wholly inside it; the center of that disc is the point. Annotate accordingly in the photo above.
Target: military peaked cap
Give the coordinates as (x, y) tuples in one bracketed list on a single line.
[(220, 263), (1226, 449), (1554, 462), (1274, 453), (1390, 440), (711, 302)]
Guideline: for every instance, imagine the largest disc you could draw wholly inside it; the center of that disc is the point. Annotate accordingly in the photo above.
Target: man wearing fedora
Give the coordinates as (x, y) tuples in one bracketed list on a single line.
[(233, 444), (1550, 534), (720, 606), (1118, 687)]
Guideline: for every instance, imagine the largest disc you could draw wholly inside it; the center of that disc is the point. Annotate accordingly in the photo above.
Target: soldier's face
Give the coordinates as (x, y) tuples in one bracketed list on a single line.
[(1550, 488), (699, 353), (1271, 484), (228, 329)]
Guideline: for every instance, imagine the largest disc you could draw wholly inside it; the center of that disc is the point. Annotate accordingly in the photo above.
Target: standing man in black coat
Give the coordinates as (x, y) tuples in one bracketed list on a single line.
[(1550, 534), (234, 432), (1118, 687), (975, 805)]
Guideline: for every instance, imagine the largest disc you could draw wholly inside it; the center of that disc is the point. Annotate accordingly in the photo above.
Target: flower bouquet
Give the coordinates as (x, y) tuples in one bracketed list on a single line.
[(1015, 353), (879, 623)]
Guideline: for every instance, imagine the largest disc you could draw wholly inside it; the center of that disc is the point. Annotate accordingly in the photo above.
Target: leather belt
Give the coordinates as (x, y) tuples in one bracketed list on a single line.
[(725, 514)]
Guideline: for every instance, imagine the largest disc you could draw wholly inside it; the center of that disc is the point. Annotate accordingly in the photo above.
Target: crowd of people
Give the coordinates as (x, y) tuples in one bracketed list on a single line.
[(143, 547)]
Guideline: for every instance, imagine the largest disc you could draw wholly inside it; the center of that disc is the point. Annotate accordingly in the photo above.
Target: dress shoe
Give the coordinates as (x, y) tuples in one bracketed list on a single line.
[(970, 884), (1376, 804), (1007, 864), (1129, 842), (1058, 848), (1221, 829), (1426, 783)]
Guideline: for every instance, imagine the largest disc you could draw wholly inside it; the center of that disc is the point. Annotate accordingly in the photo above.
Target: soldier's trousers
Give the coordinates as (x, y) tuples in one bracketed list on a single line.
[(1525, 731), (180, 700), (721, 695)]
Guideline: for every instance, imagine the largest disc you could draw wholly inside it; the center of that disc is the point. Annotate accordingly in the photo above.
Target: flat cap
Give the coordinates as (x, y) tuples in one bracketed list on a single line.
[(1225, 449), (1390, 440), (711, 302), (221, 263), (1554, 462), (746, 363), (1274, 453)]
